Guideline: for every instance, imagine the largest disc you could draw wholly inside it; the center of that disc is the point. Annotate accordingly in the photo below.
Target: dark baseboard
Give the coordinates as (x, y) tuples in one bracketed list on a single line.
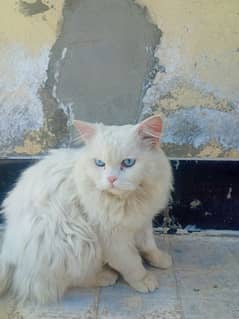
[(206, 194)]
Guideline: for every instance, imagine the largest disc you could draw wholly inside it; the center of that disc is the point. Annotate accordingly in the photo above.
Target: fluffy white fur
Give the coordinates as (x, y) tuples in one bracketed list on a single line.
[(68, 226)]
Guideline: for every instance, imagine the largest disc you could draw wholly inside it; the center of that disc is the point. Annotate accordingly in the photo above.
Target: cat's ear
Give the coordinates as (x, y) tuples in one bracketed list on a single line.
[(85, 129), (150, 130)]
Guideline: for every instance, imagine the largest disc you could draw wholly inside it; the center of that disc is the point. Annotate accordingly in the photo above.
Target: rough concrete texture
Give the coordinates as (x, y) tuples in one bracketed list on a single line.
[(197, 126), (101, 60), (199, 59), (203, 283), (20, 105), (24, 58)]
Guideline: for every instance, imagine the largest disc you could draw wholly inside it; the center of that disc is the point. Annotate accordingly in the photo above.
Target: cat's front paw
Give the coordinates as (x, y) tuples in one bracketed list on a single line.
[(148, 284), (165, 261), (158, 259), (107, 277)]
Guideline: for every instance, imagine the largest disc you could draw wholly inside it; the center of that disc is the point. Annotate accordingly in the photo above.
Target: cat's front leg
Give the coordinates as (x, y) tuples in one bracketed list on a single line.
[(123, 256), (150, 252), (103, 278)]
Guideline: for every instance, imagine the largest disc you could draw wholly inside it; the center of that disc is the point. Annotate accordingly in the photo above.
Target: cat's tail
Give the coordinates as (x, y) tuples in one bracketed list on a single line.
[(6, 275)]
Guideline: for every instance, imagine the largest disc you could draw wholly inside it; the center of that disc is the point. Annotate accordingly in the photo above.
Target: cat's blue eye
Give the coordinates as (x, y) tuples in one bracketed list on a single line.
[(128, 162), (99, 163)]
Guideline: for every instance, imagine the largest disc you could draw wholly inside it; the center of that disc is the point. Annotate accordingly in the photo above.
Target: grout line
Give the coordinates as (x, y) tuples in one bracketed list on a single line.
[(178, 295), (97, 302)]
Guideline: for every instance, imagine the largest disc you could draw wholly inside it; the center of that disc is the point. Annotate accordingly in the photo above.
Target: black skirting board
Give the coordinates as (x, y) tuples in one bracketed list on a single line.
[(206, 192)]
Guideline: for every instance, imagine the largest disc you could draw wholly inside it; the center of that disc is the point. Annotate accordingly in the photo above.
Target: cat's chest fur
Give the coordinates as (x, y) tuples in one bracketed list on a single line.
[(108, 212)]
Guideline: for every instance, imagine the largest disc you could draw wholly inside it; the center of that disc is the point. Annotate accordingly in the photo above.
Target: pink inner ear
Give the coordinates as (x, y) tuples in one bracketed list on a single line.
[(85, 129), (151, 129)]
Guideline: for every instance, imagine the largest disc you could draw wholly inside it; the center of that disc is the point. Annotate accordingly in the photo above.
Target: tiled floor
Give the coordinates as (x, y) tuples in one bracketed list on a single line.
[(202, 284)]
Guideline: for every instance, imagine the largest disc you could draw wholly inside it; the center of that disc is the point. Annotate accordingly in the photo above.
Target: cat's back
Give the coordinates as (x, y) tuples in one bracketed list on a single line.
[(42, 180)]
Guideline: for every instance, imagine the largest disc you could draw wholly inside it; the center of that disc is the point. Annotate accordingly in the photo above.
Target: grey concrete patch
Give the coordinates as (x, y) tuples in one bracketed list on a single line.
[(101, 60)]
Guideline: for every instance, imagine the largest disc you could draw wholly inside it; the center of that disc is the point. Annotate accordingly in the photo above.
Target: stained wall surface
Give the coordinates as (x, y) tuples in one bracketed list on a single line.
[(118, 61), (197, 83)]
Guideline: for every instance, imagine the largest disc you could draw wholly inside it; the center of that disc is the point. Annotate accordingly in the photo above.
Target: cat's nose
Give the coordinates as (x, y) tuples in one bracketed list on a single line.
[(112, 179)]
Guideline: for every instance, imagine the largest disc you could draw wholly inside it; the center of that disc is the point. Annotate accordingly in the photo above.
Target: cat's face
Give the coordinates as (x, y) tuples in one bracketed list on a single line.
[(119, 157)]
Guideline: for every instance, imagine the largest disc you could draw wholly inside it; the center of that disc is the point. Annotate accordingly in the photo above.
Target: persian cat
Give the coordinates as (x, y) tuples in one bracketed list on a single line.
[(79, 217)]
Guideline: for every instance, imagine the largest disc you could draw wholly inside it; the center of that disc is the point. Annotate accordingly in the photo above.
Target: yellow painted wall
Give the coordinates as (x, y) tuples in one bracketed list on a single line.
[(200, 51), (20, 25), (200, 40)]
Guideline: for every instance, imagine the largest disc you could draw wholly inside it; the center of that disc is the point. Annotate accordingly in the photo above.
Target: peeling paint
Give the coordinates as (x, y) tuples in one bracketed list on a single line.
[(232, 153), (192, 79), (186, 96), (29, 147), (198, 126), (32, 8), (33, 32), (39, 141), (28, 115), (66, 107), (177, 165), (194, 48), (195, 203), (229, 194), (200, 64), (211, 150), (25, 121), (21, 108)]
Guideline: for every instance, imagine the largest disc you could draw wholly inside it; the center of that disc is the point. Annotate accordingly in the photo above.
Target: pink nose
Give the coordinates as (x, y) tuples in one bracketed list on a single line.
[(112, 179)]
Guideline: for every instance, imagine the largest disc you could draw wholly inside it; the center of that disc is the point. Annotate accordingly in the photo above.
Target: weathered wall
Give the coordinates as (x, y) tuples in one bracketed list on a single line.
[(95, 59), (197, 86), (28, 29), (69, 59)]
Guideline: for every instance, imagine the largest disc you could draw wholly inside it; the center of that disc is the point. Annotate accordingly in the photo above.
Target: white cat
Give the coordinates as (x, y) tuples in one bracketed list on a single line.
[(81, 216)]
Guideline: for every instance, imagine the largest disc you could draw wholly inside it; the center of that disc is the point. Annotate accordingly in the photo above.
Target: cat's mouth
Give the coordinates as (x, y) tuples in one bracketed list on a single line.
[(113, 191), (118, 190)]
